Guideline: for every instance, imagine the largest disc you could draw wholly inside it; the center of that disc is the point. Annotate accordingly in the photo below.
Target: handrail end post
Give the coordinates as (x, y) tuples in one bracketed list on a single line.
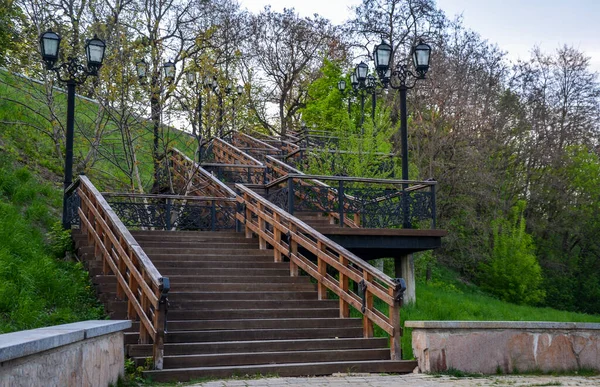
[(396, 338)]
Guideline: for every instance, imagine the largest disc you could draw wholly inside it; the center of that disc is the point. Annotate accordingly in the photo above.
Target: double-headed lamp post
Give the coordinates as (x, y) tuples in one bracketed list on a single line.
[(72, 73), (402, 78), (399, 79)]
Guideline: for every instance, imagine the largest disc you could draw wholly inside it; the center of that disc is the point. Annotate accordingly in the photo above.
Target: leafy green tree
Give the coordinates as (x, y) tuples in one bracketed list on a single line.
[(513, 272)]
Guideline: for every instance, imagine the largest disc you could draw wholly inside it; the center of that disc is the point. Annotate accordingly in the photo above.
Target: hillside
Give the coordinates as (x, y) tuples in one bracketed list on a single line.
[(38, 287)]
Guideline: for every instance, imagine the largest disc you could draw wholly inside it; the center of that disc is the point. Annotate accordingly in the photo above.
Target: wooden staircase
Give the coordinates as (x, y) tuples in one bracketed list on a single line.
[(276, 297), (233, 311)]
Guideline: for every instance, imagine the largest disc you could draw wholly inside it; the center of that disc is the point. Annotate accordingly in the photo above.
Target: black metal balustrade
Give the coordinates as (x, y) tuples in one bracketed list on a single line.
[(370, 203), (173, 212), (238, 173)]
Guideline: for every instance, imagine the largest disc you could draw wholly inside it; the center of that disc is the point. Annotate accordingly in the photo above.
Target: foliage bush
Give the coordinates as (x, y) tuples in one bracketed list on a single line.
[(513, 273)]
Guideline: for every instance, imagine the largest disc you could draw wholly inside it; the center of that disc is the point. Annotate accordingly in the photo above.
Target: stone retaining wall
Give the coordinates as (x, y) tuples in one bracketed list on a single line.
[(87, 353), (507, 346)]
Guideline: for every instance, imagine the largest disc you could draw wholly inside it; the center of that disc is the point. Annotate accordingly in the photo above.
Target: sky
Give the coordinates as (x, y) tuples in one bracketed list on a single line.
[(516, 26)]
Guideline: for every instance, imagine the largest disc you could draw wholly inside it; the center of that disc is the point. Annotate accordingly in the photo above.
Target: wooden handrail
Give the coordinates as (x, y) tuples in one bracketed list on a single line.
[(229, 154), (138, 280), (239, 166), (174, 197), (261, 217), (190, 172), (252, 142)]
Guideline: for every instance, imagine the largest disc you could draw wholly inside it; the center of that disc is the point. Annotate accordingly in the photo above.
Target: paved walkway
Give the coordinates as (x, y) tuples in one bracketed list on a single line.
[(412, 380)]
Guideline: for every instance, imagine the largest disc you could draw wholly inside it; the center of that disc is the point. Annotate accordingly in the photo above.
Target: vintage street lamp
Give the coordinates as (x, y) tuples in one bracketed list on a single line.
[(72, 73), (397, 79), (169, 71), (141, 68), (342, 88)]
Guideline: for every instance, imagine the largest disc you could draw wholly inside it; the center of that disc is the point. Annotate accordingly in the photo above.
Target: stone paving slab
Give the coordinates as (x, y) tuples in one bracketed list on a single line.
[(412, 380)]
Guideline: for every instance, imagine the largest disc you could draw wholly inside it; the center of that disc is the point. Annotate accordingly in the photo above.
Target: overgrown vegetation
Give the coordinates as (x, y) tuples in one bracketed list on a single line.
[(37, 286)]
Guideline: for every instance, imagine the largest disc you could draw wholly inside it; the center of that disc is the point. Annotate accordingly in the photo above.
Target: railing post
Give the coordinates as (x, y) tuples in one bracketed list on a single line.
[(290, 195), (248, 231), (213, 216), (277, 236), (160, 323), (394, 311), (168, 215), (322, 268), (343, 283), (262, 242), (293, 250), (341, 201), (249, 175), (433, 211), (368, 303)]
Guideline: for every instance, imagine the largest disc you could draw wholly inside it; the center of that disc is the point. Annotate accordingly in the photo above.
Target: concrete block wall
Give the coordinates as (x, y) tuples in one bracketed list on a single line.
[(87, 353), (507, 346)]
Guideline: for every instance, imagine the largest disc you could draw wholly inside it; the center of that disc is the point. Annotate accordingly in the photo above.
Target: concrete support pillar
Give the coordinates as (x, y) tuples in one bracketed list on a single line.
[(405, 268)]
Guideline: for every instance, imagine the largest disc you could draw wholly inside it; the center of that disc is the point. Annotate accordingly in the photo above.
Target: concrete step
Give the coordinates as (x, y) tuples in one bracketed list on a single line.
[(254, 256), (241, 245), (251, 296), (294, 369), (203, 264), (277, 323), (255, 304), (138, 350), (240, 313), (256, 358), (199, 251), (261, 334), (190, 274)]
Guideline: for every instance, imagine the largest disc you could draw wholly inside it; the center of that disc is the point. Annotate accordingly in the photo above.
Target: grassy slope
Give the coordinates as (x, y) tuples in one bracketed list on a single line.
[(28, 144), (37, 288)]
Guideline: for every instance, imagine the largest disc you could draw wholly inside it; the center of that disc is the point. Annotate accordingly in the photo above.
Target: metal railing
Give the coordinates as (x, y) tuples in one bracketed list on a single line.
[(237, 173), (368, 203), (173, 212)]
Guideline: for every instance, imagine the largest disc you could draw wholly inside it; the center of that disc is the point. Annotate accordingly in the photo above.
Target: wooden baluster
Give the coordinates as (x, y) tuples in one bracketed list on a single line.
[(277, 236), (262, 226), (367, 323), (122, 267), (343, 283), (322, 267), (144, 334), (357, 219), (158, 347), (248, 216), (133, 286), (394, 311), (294, 250)]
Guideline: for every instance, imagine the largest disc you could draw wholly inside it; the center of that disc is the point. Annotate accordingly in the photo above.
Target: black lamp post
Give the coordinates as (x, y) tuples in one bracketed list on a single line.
[(72, 73), (398, 79), (342, 88), (239, 89)]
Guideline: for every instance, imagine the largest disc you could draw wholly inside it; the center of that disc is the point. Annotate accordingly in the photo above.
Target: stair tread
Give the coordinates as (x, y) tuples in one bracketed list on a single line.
[(285, 369)]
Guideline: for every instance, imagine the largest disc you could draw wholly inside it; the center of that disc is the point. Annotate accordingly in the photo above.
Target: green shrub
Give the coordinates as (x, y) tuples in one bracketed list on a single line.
[(513, 273)]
